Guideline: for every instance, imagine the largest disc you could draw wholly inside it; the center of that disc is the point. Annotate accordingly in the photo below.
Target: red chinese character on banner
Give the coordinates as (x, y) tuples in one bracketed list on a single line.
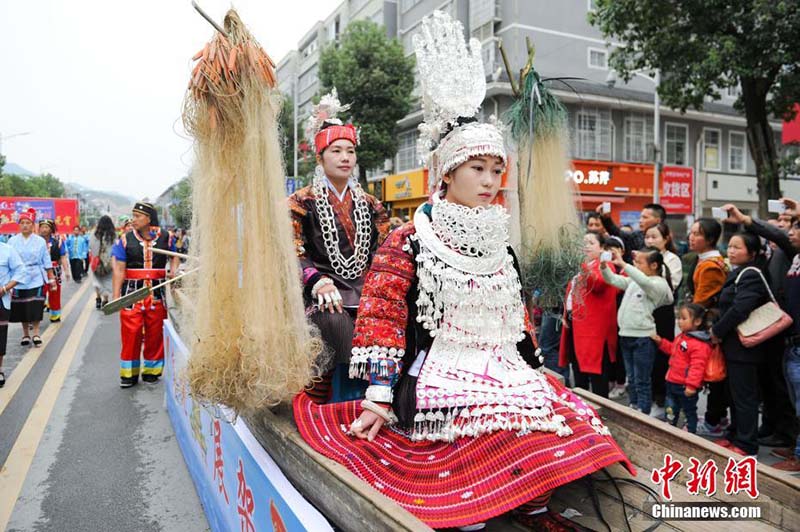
[(246, 505), (702, 477), (665, 474), (219, 463), (741, 476)]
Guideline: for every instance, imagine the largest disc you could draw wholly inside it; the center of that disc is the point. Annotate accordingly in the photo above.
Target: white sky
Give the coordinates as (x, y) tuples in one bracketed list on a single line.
[(99, 83)]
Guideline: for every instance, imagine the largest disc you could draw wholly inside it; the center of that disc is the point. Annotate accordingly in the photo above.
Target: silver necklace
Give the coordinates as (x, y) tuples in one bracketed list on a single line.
[(351, 267)]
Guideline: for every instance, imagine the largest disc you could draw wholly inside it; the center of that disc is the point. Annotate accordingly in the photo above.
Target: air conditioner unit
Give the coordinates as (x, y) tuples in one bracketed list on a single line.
[(387, 165)]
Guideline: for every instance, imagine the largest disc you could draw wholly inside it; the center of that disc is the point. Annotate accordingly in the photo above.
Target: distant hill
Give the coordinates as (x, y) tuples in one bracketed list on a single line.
[(12, 168), (103, 201)]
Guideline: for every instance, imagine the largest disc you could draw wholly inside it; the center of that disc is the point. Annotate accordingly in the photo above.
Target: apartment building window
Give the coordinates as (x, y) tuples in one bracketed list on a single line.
[(308, 78), (638, 141), (484, 32), (405, 5), (310, 49), (594, 134), (676, 140), (481, 12), (737, 152), (407, 150), (711, 148), (598, 58)]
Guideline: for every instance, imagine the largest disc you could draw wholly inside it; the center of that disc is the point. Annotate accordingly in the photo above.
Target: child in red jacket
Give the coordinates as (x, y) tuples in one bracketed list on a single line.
[(688, 356)]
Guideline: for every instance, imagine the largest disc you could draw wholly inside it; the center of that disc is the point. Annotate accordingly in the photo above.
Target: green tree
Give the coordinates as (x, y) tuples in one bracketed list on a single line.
[(46, 186), (370, 71), (286, 126), (181, 208), (702, 46)]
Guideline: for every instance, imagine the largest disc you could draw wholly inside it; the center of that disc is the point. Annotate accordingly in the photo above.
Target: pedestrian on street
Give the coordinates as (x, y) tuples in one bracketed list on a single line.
[(651, 214), (744, 291), (100, 244), (688, 357), (646, 289), (27, 302), (78, 251), (58, 257), (589, 334), (704, 284), (136, 266), (789, 244), (12, 272), (659, 236)]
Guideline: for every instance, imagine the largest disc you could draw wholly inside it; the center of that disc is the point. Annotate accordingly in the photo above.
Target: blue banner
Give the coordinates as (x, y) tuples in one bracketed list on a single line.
[(239, 484)]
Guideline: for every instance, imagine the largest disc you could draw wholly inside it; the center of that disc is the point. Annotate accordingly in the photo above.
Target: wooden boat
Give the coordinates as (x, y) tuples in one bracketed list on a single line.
[(597, 503), (353, 505)]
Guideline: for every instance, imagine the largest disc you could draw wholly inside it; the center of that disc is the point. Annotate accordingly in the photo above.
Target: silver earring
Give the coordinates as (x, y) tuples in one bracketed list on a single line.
[(319, 172)]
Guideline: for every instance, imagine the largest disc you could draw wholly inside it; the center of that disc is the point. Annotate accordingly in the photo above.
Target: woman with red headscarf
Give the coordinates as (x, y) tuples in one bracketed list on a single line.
[(27, 302), (337, 228)]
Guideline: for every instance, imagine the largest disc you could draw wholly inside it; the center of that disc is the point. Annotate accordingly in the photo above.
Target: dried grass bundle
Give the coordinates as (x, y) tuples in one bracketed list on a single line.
[(551, 239), (251, 344)]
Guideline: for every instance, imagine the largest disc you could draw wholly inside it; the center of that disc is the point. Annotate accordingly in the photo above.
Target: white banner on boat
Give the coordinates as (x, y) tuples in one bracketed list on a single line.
[(239, 484)]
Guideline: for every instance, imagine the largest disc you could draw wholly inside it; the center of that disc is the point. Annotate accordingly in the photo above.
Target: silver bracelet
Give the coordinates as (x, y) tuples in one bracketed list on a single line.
[(376, 409), (378, 393)]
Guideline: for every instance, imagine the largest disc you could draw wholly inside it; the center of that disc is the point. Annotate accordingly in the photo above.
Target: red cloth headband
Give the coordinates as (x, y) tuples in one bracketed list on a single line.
[(29, 215), (331, 134)]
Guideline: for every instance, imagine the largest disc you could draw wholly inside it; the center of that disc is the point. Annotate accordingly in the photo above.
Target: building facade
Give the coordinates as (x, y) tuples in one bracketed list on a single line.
[(611, 122)]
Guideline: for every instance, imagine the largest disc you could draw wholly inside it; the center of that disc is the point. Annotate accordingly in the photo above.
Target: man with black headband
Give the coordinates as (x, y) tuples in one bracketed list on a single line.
[(142, 323)]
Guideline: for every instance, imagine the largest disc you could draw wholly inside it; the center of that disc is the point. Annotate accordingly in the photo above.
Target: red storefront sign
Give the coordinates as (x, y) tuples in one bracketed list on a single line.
[(791, 130), (63, 210), (677, 189)]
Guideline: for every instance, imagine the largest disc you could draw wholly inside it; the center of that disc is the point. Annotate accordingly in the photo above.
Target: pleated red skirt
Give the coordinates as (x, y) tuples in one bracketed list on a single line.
[(467, 481)]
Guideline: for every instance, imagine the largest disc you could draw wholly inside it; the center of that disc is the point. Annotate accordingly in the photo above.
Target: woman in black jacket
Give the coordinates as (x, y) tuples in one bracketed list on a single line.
[(744, 291)]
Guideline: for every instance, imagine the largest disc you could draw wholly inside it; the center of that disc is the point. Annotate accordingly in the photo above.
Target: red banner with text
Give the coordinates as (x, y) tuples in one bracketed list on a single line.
[(63, 210), (677, 189)]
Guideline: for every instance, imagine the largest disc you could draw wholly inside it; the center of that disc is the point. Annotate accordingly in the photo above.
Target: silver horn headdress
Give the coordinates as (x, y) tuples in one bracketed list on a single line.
[(453, 88)]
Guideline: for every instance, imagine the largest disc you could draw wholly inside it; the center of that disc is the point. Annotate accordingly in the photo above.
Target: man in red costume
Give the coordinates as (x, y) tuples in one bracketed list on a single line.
[(135, 266)]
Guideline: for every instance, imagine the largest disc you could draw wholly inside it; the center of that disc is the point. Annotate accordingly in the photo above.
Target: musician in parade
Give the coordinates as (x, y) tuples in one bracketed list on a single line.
[(57, 248), (337, 228), (136, 265)]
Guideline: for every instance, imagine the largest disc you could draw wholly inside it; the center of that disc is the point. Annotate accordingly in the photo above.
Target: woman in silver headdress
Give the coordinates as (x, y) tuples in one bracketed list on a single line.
[(457, 425)]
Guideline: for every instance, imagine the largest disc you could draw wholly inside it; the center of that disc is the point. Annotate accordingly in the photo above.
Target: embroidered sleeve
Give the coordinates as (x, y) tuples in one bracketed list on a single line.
[(299, 211), (379, 340)]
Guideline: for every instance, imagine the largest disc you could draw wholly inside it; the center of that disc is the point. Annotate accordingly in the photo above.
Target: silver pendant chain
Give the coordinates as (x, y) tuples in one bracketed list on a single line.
[(351, 267)]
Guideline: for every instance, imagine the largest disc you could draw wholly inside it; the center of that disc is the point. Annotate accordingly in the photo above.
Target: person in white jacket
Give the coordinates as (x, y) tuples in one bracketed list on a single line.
[(646, 289)]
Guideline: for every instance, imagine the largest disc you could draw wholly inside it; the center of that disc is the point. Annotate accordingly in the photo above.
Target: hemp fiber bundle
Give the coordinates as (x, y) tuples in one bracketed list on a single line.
[(551, 237), (250, 343)]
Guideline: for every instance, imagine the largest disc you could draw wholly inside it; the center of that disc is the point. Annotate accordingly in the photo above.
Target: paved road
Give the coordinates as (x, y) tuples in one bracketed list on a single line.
[(78, 452)]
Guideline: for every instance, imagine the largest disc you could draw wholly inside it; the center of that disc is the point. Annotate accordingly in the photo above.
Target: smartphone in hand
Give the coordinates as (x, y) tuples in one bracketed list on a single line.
[(719, 213), (776, 206), (606, 256)]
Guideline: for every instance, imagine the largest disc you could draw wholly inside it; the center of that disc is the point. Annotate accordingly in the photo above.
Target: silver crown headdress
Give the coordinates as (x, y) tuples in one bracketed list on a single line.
[(326, 110), (453, 87)]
